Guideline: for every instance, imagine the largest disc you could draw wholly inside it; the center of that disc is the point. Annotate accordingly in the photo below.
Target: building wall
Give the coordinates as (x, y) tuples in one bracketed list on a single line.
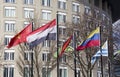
[(37, 6)]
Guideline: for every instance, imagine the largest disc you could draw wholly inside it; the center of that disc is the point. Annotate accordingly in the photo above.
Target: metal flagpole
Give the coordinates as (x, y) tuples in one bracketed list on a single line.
[(57, 45), (101, 52), (32, 64), (74, 45), (32, 58)]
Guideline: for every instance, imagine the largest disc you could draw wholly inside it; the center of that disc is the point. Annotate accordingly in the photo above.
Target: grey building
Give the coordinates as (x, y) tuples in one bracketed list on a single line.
[(16, 14)]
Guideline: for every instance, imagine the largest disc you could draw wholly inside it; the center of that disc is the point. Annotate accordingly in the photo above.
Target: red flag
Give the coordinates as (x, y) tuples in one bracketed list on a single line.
[(20, 37), (65, 45)]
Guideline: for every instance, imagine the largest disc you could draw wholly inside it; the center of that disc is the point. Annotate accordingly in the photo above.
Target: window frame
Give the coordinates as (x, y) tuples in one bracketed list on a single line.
[(28, 13), (46, 3), (27, 55), (9, 1), (78, 72), (45, 56), (75, 7), (62, 30), (9, 26), (8, 69), (63, 70), (46, 43), (46, 14), (10, 11), (44, 72), (98, 73), (76, 19), (27, 70), (7, 39), (9, 55), (63, 58), (87, 10), (62, 4), (62, 17), (29, 2)]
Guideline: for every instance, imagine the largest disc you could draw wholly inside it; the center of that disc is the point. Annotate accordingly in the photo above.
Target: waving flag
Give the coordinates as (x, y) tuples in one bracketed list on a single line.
[(65, 45), (92, 40), (20, 37), (98, 54), (68, 49), (46, 32)]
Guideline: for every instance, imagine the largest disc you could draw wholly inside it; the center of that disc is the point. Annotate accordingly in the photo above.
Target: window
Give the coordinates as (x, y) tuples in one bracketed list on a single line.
[(46, 43), (98, 63), (63, 71), (46, 56), (103, 17), (98, 73), (27, 71), (10, 11), (46, 2), (76, 7), (62, 4), (28, 13), (9, 1), (9, 55), (76, 19), (46, 15), (46, 72), (26, 24), (7, 39), (63, 58), (28, 1), (78, 72), (62, 30), (9, 26), (87, 10), (96, 13), (8, 71), (62, 17), (28, 55)]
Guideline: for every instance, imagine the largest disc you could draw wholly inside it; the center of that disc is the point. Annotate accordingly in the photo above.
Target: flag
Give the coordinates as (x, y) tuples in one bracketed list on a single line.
[(55, 53), (68, 49), (20, 37), (92, 40), (65, 45), (98, 54), (46, 32)]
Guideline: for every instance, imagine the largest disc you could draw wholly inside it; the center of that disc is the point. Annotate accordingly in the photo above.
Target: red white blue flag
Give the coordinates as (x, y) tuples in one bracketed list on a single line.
[(46, 32)]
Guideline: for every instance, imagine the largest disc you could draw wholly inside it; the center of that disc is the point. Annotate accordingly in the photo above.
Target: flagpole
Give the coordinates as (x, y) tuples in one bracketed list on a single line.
[(74, 44), (32, 58), (57, 45), (101, 52)]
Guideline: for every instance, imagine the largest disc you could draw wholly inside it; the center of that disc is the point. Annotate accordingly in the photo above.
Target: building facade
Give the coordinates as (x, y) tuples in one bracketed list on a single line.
[(16, 14)]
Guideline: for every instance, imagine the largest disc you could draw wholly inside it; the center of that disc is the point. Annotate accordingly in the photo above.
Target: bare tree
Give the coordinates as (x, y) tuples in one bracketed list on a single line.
[(40, 66), (85, 26)]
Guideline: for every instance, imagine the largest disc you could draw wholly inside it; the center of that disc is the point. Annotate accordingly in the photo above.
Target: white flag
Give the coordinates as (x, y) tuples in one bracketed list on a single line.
[(98, 54)]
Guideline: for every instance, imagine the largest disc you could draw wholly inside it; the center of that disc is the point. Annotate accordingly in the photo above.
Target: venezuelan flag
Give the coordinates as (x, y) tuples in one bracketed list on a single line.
[(92, 40)]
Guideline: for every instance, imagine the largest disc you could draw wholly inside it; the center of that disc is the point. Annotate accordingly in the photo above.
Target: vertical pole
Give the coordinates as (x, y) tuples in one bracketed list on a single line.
[(57, 46), (74, 45), (101, 51), (32, 64), (32, 58), (109, 67)]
